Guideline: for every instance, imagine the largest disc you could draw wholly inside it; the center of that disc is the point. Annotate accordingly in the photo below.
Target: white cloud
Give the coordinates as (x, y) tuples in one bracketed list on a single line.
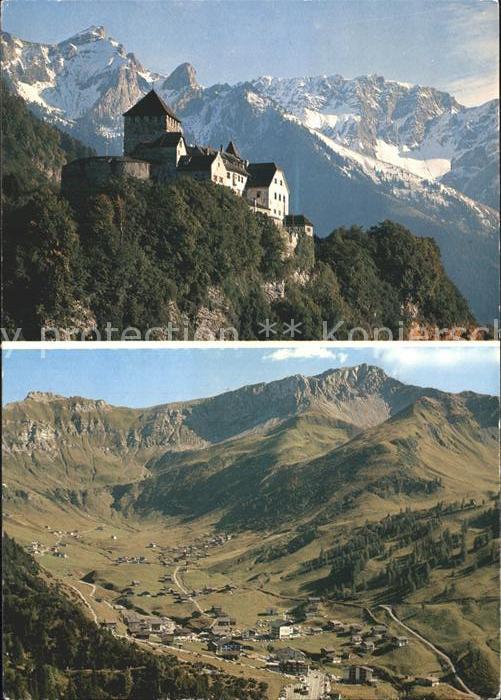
[(306, 353), (475, 90), (398, 357)]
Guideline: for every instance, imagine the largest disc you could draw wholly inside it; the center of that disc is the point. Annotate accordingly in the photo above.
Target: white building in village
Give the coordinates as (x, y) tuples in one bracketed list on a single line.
[(281, 629)]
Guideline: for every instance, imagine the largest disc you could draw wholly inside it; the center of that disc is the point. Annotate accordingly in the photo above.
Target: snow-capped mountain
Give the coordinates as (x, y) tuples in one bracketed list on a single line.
[(355, 151), (418, 129), (82, 84)]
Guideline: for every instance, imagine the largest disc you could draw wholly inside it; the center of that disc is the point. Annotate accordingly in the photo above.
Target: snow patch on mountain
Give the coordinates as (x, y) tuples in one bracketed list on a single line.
[(413, 161)]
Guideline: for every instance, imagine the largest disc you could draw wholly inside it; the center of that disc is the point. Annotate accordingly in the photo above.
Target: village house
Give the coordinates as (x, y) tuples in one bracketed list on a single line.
[(109, 625), (155, 149), (225, 647), (292, 661), (281, 629), (400, 642), (222, 626), (141, 626), (358, 674), (331, 655), (217, 611), (249, 633), (427, 681), (336, 625)]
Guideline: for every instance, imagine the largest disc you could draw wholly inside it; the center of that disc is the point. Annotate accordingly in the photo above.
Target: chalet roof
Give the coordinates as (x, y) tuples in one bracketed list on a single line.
[(297, 220), (233, 150), (227, 641), (151, 105), (262, 174), (290, 654), (280, 623)]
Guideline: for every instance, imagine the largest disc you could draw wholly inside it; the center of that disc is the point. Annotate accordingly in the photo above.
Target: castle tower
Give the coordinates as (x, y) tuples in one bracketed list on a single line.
[(147, 120)]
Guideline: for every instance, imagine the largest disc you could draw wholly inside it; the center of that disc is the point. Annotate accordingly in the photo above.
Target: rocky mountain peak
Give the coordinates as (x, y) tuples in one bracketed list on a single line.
[(86, 36), (43, 396), (183, 78), (75, 403), (358, 375)]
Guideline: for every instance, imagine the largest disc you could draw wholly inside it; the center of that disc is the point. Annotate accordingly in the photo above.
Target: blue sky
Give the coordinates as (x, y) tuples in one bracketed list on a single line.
[(146, 377), (449, 44)]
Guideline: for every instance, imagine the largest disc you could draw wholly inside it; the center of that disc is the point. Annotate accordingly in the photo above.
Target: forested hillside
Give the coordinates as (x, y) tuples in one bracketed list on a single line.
[(54, 652), (193, 254), (32, 152)]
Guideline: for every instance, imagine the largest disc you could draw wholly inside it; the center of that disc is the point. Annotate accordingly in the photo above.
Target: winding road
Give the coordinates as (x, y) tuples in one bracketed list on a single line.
[(86, 602), (183, 590), (439, 653)]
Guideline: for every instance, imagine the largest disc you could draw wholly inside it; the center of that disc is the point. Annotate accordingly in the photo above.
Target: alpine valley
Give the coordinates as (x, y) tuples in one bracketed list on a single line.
[(361, 509), (358, 151)]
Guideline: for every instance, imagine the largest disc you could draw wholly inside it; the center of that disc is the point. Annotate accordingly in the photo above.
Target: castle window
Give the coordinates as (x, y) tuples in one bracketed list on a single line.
[(258, 195), (275, 195), (228, 175)]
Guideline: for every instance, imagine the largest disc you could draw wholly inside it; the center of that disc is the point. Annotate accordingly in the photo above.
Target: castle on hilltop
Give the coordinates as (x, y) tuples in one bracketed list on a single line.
[(155, 148)]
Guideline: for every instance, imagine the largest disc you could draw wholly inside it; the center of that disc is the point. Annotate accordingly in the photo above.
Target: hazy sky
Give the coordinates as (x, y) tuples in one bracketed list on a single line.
[(152, 376), (448, 44)]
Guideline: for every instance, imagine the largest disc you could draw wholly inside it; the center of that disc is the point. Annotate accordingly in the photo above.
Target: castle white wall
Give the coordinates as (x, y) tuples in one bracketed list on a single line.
[(278, 195), (218, 171), (274, 198), (236, 182)]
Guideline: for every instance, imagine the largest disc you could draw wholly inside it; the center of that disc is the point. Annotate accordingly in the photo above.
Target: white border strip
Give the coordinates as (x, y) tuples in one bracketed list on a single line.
[(238, 344)]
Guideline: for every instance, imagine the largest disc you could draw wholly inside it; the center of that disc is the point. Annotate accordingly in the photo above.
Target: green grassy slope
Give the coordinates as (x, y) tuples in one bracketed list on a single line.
[(435, 449)]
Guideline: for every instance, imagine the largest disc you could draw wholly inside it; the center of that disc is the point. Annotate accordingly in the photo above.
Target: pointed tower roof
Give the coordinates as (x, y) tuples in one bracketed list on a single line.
[(233, 150), (151, 105)]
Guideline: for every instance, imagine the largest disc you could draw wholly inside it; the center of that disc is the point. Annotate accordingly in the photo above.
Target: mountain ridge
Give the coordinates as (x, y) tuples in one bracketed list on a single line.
[(352, 370), (239, 451)]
